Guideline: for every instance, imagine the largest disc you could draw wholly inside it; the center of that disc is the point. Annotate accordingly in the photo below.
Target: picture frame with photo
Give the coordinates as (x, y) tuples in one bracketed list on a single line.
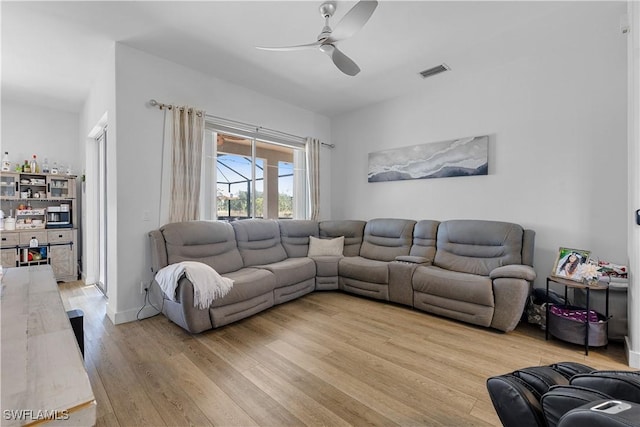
[(570, 263)]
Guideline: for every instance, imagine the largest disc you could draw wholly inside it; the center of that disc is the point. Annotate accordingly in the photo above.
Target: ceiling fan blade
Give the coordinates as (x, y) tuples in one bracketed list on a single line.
[(290, 48), (353, 21), (342, 61)]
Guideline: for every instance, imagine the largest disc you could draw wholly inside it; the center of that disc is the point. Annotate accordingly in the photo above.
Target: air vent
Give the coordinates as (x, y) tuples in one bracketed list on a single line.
[(434, 70)]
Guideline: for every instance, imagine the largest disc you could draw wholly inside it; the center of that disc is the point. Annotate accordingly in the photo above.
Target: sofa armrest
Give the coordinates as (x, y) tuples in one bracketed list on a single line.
[(510, 295), (412, 259), (182, 311), (514, 272)]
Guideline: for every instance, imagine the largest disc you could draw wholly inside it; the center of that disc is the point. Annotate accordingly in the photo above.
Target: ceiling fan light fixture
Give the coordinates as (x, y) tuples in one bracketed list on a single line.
[(434, 70), (327, 48)]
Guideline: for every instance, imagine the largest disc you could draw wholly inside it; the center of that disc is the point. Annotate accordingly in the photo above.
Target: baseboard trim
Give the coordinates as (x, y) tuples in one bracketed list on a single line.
[(131, 315), (112, 315), (633, 357)]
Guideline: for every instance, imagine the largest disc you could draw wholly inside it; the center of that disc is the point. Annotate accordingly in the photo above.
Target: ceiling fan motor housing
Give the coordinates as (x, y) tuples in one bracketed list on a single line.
[(327, 9)]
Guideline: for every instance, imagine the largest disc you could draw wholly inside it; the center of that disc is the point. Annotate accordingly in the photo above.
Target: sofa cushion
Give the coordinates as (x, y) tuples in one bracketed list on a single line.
[(210, 242), (327, 266), (291, 270), (386, 238), (259, 241), (352, 230), (425, 233), (476, 246), (247, 283), (453, 285), (326, 247), (294, 234), (364, 269)]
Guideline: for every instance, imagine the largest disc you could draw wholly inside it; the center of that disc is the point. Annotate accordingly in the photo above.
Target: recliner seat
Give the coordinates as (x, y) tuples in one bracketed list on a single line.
[(367, 274), (479, 273)]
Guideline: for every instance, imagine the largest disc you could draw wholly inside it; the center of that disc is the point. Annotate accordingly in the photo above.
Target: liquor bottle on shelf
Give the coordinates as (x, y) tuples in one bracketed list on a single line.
[(54, 169), (45, 166), (6, 163), (26, 168), (34, 165)]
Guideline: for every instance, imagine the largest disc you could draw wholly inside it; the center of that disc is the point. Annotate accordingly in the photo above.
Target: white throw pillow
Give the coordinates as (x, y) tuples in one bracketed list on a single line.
[(324, 247)]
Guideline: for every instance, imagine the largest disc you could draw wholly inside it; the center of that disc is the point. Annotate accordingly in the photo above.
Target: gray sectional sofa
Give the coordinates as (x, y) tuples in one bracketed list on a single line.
[(475, 271)]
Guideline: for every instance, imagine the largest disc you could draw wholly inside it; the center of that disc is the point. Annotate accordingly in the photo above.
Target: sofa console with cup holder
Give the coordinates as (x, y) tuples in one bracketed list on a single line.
[(474, 271)]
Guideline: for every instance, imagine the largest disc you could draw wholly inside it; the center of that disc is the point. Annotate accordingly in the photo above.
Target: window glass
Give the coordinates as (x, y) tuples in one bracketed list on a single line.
[(260, 186), (285, 189)]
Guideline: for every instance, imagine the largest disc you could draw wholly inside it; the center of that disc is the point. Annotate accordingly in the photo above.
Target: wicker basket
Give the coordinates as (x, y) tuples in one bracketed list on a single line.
[(567, 328)]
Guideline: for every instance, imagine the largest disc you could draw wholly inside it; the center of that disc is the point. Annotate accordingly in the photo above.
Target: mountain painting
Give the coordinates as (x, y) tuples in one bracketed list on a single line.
[(457, 157)]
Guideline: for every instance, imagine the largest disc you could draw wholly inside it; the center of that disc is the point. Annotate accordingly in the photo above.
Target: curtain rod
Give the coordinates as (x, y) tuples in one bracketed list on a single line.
[(160, 105)]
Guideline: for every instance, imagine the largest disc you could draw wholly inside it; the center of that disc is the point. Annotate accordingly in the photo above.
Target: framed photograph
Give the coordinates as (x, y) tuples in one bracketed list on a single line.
[(569, 263)]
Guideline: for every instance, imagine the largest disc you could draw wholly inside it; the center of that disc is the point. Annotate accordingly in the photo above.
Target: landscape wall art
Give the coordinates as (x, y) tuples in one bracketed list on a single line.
[(457, 157)]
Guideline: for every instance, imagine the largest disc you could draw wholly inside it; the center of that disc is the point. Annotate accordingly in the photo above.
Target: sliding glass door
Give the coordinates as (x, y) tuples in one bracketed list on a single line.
[(101, 210)]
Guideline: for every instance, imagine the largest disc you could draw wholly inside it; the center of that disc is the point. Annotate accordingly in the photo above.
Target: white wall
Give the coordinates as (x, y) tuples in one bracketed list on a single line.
[(48, 133), (45, 132), (100, 103), (556, 115), (139, 78), (633, 314)]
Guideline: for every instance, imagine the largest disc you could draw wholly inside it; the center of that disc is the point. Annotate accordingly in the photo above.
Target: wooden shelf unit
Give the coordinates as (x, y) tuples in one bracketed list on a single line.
[(59, 242)]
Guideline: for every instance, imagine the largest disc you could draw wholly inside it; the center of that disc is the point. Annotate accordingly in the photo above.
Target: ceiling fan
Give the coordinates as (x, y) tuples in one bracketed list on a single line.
[(353, 21)]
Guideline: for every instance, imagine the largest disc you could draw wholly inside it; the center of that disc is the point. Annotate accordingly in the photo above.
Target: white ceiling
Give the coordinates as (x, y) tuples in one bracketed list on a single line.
[(51, 50)]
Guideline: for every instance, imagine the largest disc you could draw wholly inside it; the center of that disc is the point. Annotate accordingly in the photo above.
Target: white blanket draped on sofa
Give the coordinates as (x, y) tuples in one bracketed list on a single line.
[(208, 285)]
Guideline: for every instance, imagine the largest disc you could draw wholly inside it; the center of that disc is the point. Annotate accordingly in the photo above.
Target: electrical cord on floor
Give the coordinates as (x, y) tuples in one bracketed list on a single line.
[(147, 300)]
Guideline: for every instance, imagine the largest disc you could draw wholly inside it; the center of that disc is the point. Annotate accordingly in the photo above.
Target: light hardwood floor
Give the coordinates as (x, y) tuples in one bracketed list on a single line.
[(328, 358)]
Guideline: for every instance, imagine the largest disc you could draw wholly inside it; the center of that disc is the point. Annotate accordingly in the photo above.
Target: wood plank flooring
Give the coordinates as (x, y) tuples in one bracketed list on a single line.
[(327, 359)]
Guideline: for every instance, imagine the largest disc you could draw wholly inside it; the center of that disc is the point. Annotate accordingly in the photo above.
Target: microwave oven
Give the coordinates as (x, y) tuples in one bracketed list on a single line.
[(58, 217)]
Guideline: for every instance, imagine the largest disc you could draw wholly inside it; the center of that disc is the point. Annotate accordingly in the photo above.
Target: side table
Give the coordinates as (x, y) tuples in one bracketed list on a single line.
[(599, 286)]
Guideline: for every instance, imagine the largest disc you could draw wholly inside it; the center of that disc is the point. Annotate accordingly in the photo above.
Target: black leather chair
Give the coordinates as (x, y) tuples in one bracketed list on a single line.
[(561, 394)]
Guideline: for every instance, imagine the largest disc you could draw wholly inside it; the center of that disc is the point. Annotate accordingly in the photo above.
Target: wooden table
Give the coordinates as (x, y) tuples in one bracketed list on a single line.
[(43, 375)]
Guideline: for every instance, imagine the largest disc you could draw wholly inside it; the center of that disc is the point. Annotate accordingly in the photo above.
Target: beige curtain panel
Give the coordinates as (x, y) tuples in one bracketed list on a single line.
[(186, 163), (312, 150)]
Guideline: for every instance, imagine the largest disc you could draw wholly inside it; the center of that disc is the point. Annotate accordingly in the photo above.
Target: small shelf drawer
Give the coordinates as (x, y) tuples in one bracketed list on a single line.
[(25, 237), (60, 236), (10, 239)]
